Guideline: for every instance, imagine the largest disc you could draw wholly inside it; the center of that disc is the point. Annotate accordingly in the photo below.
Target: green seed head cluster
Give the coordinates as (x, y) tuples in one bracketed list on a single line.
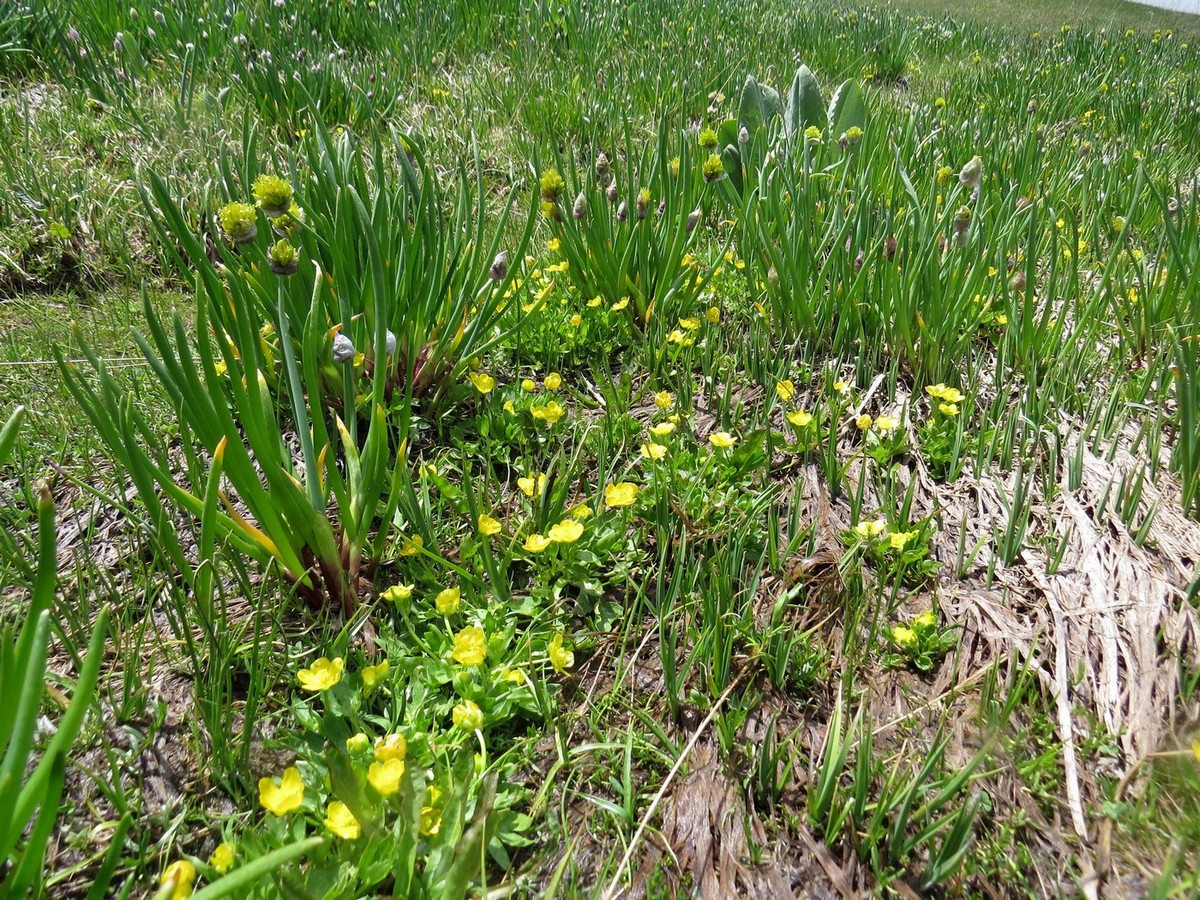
[(274, 195), (283, 258), (714, 169), (239, 222)]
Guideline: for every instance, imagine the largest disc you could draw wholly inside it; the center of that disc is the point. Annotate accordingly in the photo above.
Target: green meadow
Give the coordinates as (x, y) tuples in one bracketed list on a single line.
[(562, 449)]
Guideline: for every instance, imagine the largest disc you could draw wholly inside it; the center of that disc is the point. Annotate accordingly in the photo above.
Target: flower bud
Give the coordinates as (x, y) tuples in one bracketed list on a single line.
[(743, 135), (603, 168), (343, 349), (499, 269), (622, 212), (693, 218), (662, 208), (389, 343), (972, 172), (643, 203), (579, 210), (612, 193)]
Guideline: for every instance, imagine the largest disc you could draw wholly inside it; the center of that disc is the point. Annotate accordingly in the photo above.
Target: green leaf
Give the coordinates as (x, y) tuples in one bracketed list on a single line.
[(806, 106), (847, 109)]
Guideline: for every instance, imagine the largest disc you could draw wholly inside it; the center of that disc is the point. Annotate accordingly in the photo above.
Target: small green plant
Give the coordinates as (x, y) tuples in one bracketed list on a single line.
[(920, 644)]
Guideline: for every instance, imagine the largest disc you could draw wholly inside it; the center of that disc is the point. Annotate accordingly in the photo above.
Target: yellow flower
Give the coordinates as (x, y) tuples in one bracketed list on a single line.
[(924, 620), (284, 797), (904, 637), (799, 418), (581, 511), (887, 423), (222, 858), (529, 485), (948, 409), (411, 546), (391, 746), (385, 776), (373, 675), (863, 422), (482, 381), (662, 429), (576, 320), (357, 743), (553, 244), (722, 439), (341, 821), (568, 531), (621, 494), (595, 301), (842, 387), (322, 675), (447, 601), (785, 390), (871, 529), (431, 816), (664, 399), (550, 413), (528, 384), (553, 381), (489, 526), (470, 646), (713, 315), (691, 323), (653, 451), (397, 593), (468, 716), (514, 676), (180, 876), (620, 304), (898, 539), (561, 659), (536, 543)]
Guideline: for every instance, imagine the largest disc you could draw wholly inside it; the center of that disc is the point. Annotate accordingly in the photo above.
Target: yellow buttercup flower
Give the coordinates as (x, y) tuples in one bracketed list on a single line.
[(281, 799), (664, 399), (560, 658), (385, 776), (549, 413), (842, 387), (887, 423), (447, 601), (528, 384), (785, 390), (341, 821), (925, 619), (529, 485), (374, 675), (467, 716), (799, 418), (905, 637), (653, 451), (536, 543), (566, 532), (222, 858), (180, 876), (863, 422), (871, 529), (514, 676), (482, 381), (581, 511), (470, 646), (322, 674), (411, 546), (620, 304), (948, 409), (553, 244), (722, 439), (489, 526), (553, 381), (357, 743), (397, 593), (391, 746), (713, 315), (622, 494), (898, 539), (662, 429)]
